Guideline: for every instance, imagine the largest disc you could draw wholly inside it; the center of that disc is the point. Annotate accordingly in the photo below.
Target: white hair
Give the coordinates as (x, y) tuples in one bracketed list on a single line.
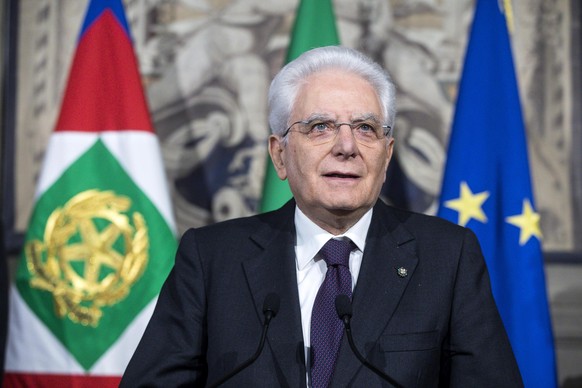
[(285, 86)]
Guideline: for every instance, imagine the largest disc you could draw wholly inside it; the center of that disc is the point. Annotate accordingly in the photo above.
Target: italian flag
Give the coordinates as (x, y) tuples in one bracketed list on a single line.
[(314, 27), (102, 238)]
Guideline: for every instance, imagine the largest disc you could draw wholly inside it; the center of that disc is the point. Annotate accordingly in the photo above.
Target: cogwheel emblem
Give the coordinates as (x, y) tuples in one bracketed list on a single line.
[(90, 256)]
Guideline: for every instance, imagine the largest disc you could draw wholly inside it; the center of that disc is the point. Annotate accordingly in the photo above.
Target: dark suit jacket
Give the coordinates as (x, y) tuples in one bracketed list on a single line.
[(436, 327)]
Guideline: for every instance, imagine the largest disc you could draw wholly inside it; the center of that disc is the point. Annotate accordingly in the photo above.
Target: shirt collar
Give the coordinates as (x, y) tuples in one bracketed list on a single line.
[(310, 237)]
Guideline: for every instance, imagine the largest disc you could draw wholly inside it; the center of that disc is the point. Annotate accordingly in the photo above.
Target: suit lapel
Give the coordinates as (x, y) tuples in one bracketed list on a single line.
[(273, 270), (379, 288)]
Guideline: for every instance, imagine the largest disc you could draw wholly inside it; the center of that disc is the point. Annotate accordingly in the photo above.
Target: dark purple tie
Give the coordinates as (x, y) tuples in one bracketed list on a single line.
[(326, 327)]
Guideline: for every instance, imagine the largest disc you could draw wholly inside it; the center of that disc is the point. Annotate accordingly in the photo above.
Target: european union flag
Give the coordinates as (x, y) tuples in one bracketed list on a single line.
[(487, 188)]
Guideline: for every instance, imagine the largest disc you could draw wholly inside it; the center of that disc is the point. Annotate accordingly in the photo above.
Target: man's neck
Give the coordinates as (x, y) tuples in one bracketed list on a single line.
[(338, 221)]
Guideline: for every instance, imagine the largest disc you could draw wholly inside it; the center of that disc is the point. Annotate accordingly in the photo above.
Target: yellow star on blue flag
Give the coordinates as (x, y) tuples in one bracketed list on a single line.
[(528, 222), (469, 205)]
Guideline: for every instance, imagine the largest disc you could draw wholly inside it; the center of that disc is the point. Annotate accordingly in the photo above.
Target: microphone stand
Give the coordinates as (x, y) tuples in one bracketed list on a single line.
[(343, 306), (270, 309)]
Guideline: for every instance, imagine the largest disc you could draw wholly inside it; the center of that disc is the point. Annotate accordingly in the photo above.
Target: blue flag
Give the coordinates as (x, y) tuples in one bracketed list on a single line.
[(487, 188)]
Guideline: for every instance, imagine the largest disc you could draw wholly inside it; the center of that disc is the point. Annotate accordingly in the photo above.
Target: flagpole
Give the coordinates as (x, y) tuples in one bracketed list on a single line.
[(12, 238)]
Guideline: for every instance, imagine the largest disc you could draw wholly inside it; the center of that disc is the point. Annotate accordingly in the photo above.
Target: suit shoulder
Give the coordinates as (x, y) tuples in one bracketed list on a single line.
[(434, 236), (254, 224), (424, 223), (221, 228)]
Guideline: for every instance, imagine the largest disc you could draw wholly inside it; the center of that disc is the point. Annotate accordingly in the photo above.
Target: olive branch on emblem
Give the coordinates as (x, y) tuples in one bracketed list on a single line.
[(90, 255)]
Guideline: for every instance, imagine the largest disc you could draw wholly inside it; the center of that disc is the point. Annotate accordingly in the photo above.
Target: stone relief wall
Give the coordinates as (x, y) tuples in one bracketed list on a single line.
[(207, 66)]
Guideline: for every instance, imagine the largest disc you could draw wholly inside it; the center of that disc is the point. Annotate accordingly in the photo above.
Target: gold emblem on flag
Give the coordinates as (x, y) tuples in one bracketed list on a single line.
[(91, 254)]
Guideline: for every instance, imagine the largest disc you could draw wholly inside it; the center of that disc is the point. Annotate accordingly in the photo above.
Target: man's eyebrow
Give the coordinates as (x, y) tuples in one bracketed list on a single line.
[(366, 117), (319, 117), (327, 117)]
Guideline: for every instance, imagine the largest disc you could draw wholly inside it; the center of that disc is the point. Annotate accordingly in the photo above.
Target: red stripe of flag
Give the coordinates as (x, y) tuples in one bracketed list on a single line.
[(37, 380), (104, 91)]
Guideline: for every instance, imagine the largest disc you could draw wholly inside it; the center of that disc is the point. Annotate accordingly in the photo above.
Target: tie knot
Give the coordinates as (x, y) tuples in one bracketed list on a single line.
[(337, 252)]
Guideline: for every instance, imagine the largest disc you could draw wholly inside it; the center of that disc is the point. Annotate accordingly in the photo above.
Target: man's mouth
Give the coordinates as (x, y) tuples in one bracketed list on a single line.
[(340, 175)]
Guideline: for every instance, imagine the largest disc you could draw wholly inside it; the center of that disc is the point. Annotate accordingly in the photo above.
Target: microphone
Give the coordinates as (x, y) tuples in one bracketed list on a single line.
[(343, 306), (270, 309)]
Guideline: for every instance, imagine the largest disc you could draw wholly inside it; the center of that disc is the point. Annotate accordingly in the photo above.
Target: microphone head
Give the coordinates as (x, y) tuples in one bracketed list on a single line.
[(343, 306), (271, 304)]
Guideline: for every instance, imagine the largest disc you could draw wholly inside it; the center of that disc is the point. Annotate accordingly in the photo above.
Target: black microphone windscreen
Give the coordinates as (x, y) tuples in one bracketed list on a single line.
[(271, 304), (343, 306)]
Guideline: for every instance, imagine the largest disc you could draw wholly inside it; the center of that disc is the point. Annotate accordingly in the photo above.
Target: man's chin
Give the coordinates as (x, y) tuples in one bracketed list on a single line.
[(345, 209)]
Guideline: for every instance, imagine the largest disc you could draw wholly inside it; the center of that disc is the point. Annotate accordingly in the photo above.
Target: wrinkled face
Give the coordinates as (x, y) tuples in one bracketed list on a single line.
[(342, 177)]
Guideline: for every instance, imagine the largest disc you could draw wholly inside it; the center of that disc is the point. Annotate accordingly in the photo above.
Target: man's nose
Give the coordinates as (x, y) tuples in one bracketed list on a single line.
[(345, 141)]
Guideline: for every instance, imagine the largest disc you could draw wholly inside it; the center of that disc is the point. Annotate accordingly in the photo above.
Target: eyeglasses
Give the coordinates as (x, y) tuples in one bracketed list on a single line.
[(319, 131)]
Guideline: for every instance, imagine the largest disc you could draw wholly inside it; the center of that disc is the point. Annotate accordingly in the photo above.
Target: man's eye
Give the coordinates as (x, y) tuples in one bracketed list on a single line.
[(320, 127), (366, 128)]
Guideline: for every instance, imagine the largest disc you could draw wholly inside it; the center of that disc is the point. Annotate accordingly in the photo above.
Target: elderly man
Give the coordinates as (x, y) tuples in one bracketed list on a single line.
[(415, 292)]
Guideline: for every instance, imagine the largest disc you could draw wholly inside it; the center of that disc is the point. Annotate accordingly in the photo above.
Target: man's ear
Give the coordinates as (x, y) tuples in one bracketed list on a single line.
[(276, 150), (389, 153)]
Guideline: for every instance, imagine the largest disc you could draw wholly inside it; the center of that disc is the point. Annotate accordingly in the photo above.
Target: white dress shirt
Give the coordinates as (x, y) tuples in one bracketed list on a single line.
[(311, 268)]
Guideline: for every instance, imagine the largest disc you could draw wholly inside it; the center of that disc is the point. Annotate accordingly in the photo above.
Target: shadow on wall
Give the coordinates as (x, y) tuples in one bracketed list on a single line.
[(573, 382)]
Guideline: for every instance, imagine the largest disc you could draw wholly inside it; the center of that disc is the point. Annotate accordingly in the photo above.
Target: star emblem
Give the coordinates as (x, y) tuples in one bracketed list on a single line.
[(469, 205), (528, 221)]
